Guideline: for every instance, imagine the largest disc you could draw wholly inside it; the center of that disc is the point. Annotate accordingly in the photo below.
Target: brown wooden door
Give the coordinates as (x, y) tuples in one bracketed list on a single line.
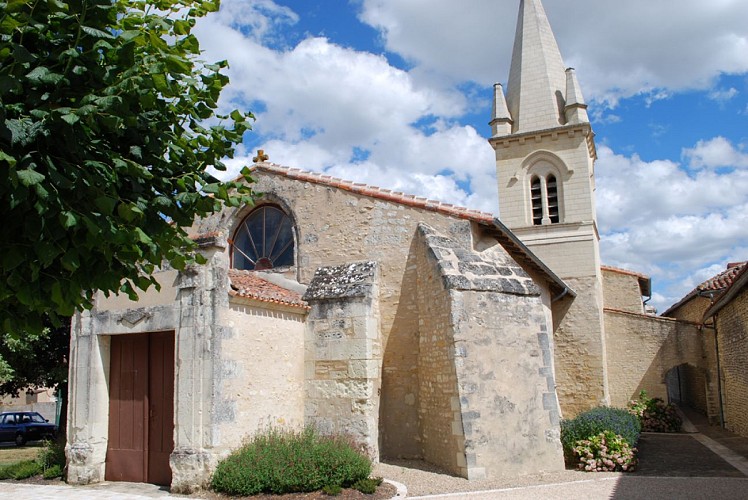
[(141, 414)]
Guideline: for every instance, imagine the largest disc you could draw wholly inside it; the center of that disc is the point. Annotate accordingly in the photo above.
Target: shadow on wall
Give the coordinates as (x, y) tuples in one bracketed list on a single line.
[(398, 408), (687, 386)]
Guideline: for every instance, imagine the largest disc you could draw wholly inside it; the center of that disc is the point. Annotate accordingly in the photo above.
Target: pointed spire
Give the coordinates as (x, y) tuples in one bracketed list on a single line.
[(501, 120), (576, 108), (537, 80)]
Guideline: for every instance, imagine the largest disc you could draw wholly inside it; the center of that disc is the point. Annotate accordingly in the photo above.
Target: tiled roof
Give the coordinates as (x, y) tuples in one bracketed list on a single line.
[(723, 279), (718, 284), (248, 285), (738, 282), (376, 192)]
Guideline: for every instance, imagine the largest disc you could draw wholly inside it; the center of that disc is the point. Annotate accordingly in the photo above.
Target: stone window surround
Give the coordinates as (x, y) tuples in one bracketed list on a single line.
[(241, 214), (543, 165)]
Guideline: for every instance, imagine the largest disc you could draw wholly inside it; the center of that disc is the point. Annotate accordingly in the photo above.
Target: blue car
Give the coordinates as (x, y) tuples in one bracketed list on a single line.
[(22, 426)]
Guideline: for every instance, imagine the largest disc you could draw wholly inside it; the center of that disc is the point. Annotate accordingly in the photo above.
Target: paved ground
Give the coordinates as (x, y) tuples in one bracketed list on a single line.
[(707, 463)]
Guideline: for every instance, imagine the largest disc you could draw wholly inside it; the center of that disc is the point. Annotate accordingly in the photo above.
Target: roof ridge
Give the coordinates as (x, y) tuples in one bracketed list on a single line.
[(385, 194)]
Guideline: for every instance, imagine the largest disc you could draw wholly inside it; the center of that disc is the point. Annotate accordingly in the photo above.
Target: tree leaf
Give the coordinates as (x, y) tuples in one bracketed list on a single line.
[(97, 33), (29, 177)]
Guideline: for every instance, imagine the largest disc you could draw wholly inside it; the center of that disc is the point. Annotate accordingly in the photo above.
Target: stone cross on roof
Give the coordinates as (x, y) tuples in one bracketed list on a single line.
[(261, 156)]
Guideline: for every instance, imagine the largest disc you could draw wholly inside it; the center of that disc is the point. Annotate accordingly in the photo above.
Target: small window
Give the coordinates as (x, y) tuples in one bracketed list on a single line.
[(264, 240), (544, 200), (552, 190), (536, 195)]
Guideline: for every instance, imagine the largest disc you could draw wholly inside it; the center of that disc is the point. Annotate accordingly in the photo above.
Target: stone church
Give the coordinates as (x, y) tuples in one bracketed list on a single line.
[(420, 329)]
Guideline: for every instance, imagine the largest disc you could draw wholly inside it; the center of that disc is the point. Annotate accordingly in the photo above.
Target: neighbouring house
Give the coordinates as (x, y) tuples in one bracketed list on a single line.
[(420, 329), (695, 382), (727, 321)]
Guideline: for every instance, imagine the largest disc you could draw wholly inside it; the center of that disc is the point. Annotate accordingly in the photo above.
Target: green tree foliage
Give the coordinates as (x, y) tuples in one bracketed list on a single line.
[(37, 359), (108, 131)]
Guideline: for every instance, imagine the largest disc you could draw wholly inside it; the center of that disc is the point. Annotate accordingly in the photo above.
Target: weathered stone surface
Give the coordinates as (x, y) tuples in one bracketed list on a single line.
[(465, 269), (349, 280)]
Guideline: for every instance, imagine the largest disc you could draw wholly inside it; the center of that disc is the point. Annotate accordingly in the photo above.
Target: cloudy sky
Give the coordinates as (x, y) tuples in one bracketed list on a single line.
[(397, 93)]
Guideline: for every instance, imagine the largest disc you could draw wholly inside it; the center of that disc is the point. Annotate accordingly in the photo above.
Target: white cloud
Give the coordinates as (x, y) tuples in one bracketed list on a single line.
[(723, 95), (352, 114), (715, 153), (678, 226), (620, 54)]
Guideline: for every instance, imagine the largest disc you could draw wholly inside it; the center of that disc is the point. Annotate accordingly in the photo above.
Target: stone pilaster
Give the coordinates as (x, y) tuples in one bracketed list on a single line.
[(343, 353)]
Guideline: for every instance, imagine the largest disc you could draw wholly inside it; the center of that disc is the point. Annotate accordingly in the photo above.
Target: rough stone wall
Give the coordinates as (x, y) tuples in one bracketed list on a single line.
[(335, 227), (581, 365), (343, 353), (692, 310), (732, 330), (496, 348), (700, 387), (643, 349), (622, 292), (439, 409), (261, 374)]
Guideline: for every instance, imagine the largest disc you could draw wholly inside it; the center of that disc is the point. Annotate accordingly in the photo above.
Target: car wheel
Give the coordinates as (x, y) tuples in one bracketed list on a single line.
[(20, 439)]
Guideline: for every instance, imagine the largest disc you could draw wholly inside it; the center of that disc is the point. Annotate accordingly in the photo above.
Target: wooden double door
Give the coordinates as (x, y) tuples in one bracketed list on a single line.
[(141, 408)]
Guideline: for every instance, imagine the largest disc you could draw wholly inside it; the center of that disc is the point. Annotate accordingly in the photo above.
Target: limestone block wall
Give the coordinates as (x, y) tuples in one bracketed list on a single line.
[(732, 331), (621, 291), (261, 373), (492, 379), (643, 349), (565, 147), (335, 227), (580, 354), (691, 310), (440, 425), (343, 353), (699, 386)]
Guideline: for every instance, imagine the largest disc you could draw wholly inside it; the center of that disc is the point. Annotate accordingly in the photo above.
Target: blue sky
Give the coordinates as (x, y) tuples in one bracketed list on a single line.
[(397, 93)]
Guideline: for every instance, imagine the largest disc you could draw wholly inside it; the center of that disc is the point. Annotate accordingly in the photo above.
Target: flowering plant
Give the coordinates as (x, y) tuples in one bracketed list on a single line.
[(654, 414), (605, 452)]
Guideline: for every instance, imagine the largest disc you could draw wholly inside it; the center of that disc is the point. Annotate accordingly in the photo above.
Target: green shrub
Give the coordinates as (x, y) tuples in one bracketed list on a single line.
[(367, 486), (279, 462), (52, 472), (20, 470), (606, 451), (332, 490), (53, 454), (593, 422), (654, 415)]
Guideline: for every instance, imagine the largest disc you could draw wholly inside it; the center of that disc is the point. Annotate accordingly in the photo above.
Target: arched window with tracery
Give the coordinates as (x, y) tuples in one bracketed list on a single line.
[(544, 200), (264, 240)]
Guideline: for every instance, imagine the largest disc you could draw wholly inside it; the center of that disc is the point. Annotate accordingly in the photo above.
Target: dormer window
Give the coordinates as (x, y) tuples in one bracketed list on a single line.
[(264, 240), (544, 200)]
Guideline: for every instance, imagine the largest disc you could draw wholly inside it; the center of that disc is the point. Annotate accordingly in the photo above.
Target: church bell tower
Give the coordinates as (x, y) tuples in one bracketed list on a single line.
[(545, 155)]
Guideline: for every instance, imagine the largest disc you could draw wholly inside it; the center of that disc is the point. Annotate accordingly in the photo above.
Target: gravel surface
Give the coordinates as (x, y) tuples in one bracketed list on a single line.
[(422, 478)]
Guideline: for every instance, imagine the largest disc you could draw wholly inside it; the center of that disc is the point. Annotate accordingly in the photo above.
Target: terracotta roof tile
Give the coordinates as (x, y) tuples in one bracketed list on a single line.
[(723, 279), (718, 283), (248, 285), (376, 192)]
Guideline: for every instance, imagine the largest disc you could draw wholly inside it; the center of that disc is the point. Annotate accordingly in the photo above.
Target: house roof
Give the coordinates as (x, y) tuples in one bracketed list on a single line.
[(738, 280), (248, 284), (716, 284), (518, 250)]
